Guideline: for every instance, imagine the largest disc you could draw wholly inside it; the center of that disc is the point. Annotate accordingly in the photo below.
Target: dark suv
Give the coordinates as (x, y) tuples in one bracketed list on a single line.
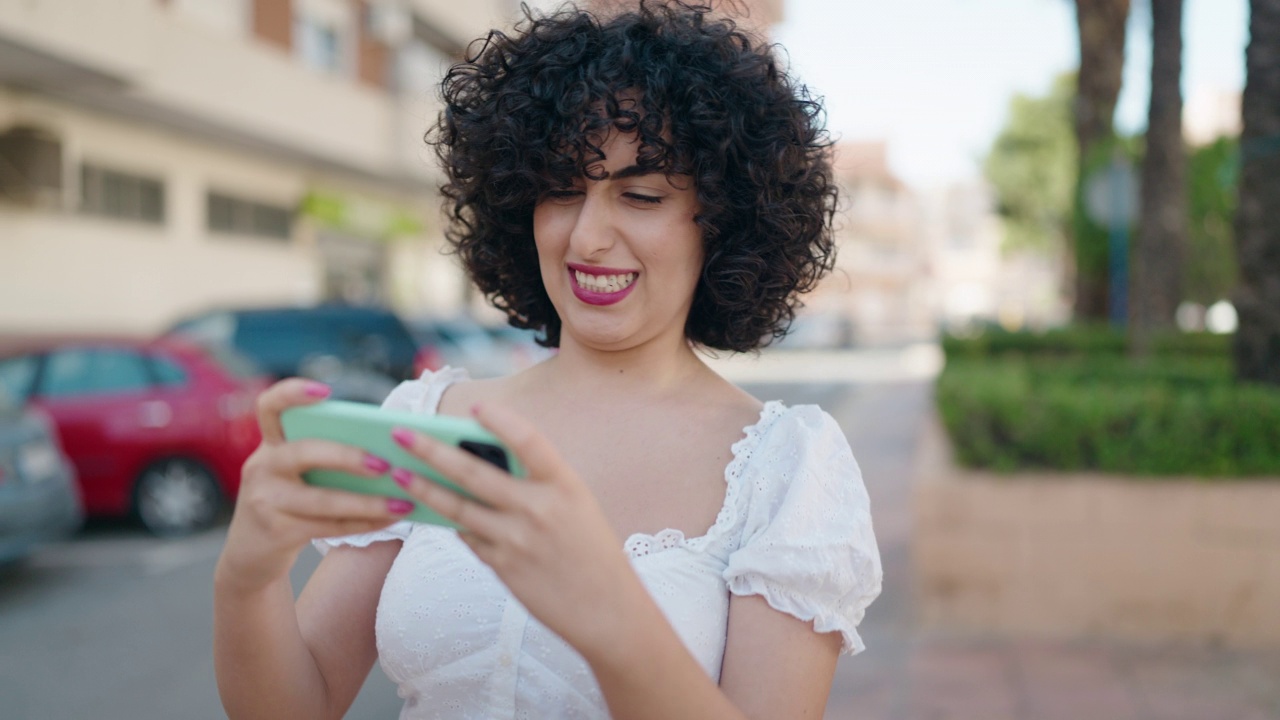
[(362, 351)]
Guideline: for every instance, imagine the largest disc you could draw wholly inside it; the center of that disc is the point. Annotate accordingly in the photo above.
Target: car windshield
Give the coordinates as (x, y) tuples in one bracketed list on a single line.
[(16, 376), (281, 339), (236, 364), (8, 406)]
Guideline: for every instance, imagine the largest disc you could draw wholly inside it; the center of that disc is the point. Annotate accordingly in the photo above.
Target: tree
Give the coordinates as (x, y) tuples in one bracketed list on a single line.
[(1257, 298), (1101, 31), (1031, 167), (1160, 245), (1209, 273)]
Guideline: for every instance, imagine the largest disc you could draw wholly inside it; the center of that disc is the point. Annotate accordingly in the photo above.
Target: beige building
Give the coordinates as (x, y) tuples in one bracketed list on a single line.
[(911, 262), (1209, 114), (879, 284), (161, 156), (973, 279)]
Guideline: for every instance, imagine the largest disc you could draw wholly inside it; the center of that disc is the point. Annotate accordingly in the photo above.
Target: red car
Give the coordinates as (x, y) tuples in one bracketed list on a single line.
[(155, 428)]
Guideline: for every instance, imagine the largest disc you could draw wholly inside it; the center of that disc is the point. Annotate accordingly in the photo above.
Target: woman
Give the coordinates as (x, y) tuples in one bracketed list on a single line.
[(634, 187)]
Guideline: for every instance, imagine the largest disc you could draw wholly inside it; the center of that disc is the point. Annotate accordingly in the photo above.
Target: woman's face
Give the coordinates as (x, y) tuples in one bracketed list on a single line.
[(620, 257)]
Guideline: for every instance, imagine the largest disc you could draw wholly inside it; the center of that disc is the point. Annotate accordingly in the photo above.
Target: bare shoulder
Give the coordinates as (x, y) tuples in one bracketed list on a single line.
[(729, 403), (460, 396)]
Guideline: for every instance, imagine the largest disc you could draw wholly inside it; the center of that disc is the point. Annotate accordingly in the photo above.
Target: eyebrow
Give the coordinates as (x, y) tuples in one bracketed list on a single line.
[(631, 171)]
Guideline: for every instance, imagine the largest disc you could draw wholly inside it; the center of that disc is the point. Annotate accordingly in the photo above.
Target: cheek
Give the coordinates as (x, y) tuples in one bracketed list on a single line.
[(690, 249), (548, 234)]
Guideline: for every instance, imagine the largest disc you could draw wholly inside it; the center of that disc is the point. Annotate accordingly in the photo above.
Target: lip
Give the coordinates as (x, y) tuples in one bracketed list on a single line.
[(600, 270), (591, 297)]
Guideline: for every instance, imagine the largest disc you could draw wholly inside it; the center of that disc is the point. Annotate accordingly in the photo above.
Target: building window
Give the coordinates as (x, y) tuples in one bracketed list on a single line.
[(228, 214), (319, 47), (121, 195), (324, 34), (424, 57)]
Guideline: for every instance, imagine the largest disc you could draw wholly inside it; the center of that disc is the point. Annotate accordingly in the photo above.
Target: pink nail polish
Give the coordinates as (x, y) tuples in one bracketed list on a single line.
[(403, 437), (396, 506), (318, 390), (376, 464), (402, 477)]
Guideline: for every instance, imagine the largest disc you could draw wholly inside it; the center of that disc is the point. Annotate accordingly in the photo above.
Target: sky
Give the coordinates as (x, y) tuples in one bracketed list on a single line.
[(934, 77)]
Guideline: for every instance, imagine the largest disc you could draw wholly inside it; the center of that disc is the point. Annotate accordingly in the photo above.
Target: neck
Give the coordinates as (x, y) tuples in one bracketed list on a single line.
[(656, 366)]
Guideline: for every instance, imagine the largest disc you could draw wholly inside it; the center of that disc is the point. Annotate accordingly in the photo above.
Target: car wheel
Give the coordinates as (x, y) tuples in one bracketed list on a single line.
[(176, 496)]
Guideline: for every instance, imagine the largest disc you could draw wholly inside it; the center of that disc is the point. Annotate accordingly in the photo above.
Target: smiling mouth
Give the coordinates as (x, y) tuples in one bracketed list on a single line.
[(604, 283)]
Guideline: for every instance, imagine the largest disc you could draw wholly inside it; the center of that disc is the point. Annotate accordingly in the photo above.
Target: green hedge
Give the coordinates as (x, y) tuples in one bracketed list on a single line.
[(1168, 416), (1091, 340)]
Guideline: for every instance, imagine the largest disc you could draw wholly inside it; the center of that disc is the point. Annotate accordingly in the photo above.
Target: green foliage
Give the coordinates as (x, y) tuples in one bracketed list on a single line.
[(1080, 340), (1031, 167), (1169, 415), (1213, 174)]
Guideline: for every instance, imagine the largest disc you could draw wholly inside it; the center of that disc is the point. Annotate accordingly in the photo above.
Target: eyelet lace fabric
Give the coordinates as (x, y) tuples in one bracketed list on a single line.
[(639, 545), (795, 528)]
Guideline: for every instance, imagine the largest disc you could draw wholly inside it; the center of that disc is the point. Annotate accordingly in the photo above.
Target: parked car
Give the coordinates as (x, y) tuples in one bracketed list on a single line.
[(484, 350), (157, 428), (522, 345), (362, 352), (39, 499), (464, 343)]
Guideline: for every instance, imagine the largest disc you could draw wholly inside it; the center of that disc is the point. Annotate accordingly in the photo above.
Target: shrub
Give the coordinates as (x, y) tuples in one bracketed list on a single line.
[(1079, 340), (1166, 416)]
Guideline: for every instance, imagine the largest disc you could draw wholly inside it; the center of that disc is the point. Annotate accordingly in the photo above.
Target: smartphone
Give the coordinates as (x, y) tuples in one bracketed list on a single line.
[(369, 427)]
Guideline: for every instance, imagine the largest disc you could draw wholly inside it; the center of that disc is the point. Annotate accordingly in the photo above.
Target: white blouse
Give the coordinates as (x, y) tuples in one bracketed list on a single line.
[(795, 528)]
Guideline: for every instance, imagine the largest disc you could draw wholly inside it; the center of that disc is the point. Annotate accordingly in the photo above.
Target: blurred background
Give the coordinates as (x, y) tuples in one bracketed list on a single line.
[(1052, 338)]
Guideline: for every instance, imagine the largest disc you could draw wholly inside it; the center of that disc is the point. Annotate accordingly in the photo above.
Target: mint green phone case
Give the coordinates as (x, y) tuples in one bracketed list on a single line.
[(369, 427)]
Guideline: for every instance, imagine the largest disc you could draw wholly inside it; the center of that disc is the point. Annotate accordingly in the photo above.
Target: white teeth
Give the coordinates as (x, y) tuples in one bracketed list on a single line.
[(604, 283)]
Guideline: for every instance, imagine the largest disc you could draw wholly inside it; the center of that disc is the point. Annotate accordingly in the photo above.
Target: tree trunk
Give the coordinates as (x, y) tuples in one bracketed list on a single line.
[(1257, 299), (1101, 29), (1159, 246)]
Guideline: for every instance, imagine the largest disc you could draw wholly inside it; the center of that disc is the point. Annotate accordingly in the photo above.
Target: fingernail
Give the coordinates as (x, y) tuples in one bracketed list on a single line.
[(376, 464), (402, 477), (318, 390), (403, 437), (397, 506)]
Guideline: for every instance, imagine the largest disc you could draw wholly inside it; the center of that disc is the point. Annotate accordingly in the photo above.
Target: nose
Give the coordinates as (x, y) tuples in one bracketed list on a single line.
[(594, 232)]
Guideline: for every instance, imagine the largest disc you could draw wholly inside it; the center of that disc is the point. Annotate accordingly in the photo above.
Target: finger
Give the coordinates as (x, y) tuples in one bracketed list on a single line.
[(280, 397), (488, 484), (485, 522), (536, 453), (295, 458), (327, 528), (315, 503)]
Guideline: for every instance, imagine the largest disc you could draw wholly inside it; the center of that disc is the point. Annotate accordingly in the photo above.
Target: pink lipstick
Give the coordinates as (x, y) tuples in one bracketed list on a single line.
[(593, 296)]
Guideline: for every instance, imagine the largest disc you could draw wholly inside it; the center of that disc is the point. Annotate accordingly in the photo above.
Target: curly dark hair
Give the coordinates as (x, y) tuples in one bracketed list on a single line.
[(526, 113)]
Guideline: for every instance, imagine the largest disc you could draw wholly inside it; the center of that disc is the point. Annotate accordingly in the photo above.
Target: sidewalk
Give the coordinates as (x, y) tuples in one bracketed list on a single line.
[(906, 675)]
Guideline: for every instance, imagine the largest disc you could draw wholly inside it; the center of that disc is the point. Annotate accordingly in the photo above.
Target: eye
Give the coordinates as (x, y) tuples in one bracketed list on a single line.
[(648, 199)]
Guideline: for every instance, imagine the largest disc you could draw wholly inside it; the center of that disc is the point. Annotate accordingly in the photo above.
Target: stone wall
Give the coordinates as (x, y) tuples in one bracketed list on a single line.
[(1084, 555)]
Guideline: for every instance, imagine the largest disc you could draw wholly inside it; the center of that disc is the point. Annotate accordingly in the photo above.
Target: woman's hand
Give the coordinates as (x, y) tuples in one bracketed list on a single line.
[(545, 535), (276, 513)]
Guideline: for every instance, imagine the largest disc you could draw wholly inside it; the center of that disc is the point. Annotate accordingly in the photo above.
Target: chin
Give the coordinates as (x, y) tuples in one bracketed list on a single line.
[(602, 338)]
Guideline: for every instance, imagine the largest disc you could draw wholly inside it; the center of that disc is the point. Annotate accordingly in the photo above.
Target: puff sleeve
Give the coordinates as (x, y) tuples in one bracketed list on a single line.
[(419, 396), (807, 542)]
